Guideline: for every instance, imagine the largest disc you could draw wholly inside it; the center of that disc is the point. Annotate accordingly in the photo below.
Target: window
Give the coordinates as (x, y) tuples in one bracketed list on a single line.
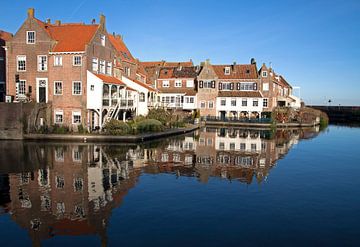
[(102, 67), (255, 102), (77, 60), (60, 182), (265, 102), (59, 154), (42, 63), (58, 88), (92, 87), (57, 60), (127, 71), (78, 184), (76, 88), (30, 37), (22, 87), (178, 83), (233, 102), (223, 102), (266, 86), (227, 86), (211, 104), (95, 64), (248, 86), (76, 155), (253, 147), (21, 63), (244, 102), (232, 146), (76, 117), (221, 145), (59, 117), (165, 84), (208, 84), (264, 74), (242, 146), (189, 83), (103, 39), (109, 68), (202, 104), (227, 71), (141, 97)]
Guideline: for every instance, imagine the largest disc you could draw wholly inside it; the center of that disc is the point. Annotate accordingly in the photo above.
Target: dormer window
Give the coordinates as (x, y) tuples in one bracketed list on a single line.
[(227, 71), (264, 74), (30, 37), (102, 38)]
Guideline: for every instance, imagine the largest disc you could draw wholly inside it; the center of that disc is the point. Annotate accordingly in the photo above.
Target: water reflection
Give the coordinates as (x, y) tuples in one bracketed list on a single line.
[(71, 189)]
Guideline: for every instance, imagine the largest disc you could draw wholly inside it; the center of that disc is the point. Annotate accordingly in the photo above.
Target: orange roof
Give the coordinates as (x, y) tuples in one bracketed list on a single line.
[(5, 35), (110, 79), (237, 71), (120, 46), (167, 64)]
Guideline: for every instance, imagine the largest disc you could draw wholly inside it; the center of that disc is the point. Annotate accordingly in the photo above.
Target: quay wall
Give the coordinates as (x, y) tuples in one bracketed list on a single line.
[(341, 114)]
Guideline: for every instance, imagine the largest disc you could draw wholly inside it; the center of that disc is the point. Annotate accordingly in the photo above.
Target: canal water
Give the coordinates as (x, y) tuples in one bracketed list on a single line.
[(212, 187)]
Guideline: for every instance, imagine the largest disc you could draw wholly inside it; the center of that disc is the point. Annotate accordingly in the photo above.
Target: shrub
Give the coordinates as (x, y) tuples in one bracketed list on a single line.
[(159, 114), (81, 129), (149, 125), (117, 127), (57, 129)]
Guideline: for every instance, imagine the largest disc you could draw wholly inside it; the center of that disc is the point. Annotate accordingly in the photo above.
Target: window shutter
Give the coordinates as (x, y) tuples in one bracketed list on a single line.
[(232, 86), (220, 86), (255, 86), (212, 84), (201, 84), (238, 86)]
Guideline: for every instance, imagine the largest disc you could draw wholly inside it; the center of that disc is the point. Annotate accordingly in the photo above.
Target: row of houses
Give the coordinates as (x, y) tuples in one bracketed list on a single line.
[(88, 76)]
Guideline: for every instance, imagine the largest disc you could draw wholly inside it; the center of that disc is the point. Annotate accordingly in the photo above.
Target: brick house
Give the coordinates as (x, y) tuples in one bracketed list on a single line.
[(177, 87), (276, 90), (229, 91), (4, 36), (68, 66)]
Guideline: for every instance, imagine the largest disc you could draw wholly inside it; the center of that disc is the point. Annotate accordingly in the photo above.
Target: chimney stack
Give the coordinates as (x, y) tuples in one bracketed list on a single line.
[(31, 12), (207, 62), (48, 21), (57, 23), (102, 21)]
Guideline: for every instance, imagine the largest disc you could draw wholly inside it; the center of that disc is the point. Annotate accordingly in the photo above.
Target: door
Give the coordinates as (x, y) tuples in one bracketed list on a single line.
[(42, 90)]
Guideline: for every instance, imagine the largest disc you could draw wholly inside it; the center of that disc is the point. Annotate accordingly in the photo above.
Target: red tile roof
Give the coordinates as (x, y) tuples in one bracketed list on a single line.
[(120, 46), (143, 85), (176, 72), (110, 79), (235, 93), (5, 35), (237, 71), (163, 63)]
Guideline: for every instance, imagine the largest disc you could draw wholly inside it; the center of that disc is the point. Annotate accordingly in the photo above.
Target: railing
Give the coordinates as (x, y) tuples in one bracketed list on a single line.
[(236, 120), (124, 103)]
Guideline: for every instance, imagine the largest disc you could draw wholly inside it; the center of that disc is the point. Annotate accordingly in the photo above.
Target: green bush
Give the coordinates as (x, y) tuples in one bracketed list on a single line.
[(81, 129), (149, 125), (57, 129), (159, 114), (117, 127)]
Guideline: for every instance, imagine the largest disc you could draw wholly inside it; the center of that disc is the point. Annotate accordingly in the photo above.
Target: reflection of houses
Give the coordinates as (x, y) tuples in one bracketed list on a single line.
[(74, 195)]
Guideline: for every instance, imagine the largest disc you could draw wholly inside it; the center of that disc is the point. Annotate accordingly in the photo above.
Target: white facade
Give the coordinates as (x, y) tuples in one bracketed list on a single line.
[(94, 91), (190, 103), (235, 105), (142, 106)]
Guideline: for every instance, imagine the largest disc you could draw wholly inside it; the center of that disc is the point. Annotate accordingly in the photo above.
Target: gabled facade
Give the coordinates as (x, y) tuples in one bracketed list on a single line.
[(177, 87)]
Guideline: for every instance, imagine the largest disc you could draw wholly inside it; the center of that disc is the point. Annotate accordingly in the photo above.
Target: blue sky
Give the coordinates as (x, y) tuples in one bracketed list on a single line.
[(314, 44)]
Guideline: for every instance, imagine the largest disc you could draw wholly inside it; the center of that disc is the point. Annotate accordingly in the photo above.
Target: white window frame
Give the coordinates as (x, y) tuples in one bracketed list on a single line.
[(265, 86), (62, 89), (103, 39), (102, 67), (109, 68), (23, 58), (232, 101), (255, 102), (227, 70), (59, 112), (95, 62), (202, 104), (221, 102), (73, 89), (165, 83), (189, 83), (27, 37), (20, 87), (41, 64), (75, 60), (57, 61), (178, 83), (212, 104), (265, 102), (76, 113), (264, 74)]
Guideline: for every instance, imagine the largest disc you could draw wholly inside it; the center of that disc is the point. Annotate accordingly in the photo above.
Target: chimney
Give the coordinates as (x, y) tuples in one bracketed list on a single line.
[(93, 21), (102, 20), (233, 66), (57, 23), (48, 21), (253, 61), (207, 62), (31, 12)]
